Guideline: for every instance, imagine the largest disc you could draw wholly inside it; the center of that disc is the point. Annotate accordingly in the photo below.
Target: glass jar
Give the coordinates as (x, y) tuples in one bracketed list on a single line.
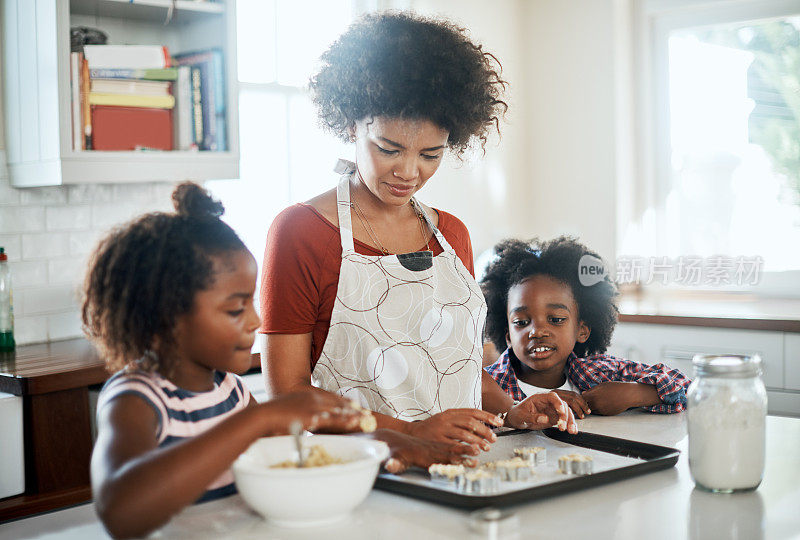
[(726, 420)]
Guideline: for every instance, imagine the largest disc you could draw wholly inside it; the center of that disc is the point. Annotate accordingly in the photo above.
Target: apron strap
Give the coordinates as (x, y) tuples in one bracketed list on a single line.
[(439, 236), (346, 169)]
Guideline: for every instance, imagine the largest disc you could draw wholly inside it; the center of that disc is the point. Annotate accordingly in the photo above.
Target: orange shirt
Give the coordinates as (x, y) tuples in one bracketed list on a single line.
[(300, 273)]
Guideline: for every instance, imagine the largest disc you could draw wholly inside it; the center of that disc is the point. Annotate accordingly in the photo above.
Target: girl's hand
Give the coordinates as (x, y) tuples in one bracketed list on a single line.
[(575, 402), (458, 425), (541, 411), (317, 411), (408, 451), (613, 397)]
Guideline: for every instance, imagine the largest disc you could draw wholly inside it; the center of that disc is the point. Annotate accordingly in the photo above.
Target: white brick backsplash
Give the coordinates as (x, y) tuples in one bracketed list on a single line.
[(64, 325), (21, 219), (66, 271), (81, 243), (13, 245), (162, 194), (30, 329), (8, 195), (141, 193), (89, 193), (108, 215), (51, 299), (44, 195), (44, 245), (67, 218), (49, 233), (28, 274)]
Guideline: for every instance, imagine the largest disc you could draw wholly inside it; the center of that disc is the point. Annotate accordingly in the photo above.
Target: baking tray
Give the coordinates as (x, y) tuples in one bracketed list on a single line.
[(614, 459)]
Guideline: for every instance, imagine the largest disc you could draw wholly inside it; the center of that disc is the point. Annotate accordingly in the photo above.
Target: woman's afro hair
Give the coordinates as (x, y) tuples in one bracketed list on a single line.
[(403, 65), (560, 259)]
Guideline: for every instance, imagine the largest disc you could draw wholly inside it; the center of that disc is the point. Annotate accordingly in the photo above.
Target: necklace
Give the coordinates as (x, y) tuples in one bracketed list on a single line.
[(374, 237)]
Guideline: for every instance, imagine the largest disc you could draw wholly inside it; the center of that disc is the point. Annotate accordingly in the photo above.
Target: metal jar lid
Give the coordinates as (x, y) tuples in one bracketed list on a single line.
[(727, 365)]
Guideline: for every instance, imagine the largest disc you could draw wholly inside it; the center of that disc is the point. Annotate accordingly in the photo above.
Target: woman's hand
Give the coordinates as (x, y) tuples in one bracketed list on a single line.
[(317, 411), (575, 401), (457, 425), (613, 397), (541, 411), (408, 451)]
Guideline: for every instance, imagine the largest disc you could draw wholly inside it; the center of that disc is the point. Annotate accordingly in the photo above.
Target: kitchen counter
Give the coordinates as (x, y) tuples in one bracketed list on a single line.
[(663, 504)]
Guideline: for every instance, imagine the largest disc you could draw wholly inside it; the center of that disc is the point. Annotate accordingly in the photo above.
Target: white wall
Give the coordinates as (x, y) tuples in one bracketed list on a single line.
[(571, 149)]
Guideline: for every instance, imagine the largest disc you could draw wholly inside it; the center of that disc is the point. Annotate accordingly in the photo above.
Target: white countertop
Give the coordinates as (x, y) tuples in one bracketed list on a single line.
[(662, 504)]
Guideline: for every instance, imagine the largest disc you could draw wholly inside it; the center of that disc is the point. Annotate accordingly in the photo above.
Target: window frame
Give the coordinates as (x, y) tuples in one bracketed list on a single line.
[(653, 22)]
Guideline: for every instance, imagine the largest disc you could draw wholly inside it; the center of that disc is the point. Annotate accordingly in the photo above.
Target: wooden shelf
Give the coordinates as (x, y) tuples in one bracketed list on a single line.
[(29, 505)]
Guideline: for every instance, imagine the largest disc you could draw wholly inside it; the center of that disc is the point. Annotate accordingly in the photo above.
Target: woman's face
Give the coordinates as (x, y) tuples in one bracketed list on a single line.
[(395, 156)]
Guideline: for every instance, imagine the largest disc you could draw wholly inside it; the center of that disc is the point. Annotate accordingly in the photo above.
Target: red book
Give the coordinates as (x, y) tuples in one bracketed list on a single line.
[(131, 128)]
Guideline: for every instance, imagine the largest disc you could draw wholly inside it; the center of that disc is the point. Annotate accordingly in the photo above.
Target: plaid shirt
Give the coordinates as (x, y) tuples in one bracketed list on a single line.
[(587, 372)]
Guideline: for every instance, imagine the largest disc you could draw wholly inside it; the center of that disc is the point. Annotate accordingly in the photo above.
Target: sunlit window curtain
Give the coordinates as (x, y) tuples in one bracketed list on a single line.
[(285, 157)]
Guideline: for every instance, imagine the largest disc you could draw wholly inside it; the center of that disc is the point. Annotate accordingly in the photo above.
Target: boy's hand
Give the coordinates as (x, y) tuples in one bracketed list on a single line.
[(408, 451), (541, 411), (316, 411), (575, 402), (458, 425), (613, 397)]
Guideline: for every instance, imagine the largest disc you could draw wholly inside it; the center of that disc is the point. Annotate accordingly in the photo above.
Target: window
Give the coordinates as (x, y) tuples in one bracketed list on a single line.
[(285, 157), (726, 167)]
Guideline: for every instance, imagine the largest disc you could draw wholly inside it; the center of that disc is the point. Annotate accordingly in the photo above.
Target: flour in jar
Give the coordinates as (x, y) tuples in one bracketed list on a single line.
[(726, 441)]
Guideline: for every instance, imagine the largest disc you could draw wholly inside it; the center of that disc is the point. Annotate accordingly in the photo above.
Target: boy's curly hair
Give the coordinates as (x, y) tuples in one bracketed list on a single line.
[(403, 65), (559, 258), (144, 274)]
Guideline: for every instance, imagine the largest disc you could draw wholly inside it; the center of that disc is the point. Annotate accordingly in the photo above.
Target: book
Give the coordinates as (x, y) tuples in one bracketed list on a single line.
[(131, 128), (212, 89), (183, 117), (86, 112), (75, 61), (197, 107), (126, 56), (162, 74), (130, 86), (132, 100)]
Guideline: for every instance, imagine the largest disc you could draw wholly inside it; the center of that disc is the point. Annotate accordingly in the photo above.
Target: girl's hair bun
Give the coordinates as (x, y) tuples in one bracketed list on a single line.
[(191, 200)]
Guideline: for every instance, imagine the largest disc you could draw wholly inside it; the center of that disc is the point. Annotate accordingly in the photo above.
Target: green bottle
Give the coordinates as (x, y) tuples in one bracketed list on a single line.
[(6, 305)]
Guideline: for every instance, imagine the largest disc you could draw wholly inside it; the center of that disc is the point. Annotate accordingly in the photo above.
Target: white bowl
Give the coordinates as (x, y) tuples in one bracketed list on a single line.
[(310, 496)]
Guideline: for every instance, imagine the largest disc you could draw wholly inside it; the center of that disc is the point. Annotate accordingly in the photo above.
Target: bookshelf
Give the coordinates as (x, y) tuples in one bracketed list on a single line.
[(37, 91)]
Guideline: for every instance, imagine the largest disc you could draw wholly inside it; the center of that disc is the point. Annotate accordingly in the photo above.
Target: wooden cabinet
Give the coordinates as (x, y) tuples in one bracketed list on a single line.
[(37, 92)]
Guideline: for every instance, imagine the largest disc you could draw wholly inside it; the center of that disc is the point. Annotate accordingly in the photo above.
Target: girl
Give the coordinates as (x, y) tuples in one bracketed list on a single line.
[(365, 291), (169, 302), (555, 330)]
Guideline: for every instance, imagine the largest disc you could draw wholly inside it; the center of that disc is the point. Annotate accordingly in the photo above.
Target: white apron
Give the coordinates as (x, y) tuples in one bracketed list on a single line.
[(405, 337)]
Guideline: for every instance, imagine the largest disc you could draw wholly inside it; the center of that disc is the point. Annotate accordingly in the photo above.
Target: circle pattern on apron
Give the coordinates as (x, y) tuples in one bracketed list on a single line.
[(403, 342)]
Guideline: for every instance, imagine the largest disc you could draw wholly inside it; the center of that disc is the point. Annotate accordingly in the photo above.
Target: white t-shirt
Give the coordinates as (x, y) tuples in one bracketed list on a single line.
[(529, 389)]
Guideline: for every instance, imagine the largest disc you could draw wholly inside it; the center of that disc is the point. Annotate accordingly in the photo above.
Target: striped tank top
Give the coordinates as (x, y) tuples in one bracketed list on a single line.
[(183, 414)]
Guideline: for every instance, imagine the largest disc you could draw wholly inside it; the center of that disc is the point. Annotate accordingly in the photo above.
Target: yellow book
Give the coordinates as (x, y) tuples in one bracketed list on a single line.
[(132, 100)]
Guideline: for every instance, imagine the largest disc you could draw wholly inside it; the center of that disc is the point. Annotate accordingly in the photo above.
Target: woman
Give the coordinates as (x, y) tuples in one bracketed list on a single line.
[(365, 291)]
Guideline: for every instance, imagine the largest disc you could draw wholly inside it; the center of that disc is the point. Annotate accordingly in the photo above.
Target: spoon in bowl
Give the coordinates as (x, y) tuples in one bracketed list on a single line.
[(296, 429)]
